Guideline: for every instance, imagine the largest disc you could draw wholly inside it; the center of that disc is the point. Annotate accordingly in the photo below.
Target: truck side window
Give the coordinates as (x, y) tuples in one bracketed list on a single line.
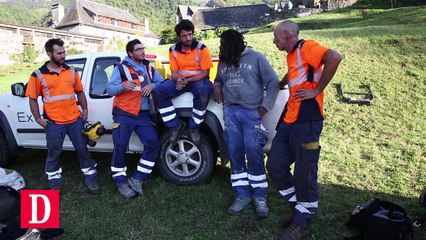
[(101, 74), (77, 64)]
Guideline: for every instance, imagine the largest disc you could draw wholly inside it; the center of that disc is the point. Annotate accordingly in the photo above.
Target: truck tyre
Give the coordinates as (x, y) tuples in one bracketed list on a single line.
[(6, 158), (185, 163)]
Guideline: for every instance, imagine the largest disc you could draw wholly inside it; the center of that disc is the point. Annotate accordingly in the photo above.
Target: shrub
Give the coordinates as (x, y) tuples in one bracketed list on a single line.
[(72, 51), (210, 34), (117, 43), (168, 35), (28, 55)]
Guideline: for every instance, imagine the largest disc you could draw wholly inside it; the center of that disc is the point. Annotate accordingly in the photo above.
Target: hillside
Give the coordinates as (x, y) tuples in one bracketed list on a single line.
[(27, 16), (161, 13)]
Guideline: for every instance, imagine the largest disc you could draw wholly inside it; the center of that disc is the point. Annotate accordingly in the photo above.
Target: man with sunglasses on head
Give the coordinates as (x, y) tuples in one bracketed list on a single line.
[(132, 82)]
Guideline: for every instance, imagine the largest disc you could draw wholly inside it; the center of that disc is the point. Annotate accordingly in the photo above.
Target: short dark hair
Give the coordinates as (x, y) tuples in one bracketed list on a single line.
[(234, 45), (48, 46), (184, 25), (130, 45)]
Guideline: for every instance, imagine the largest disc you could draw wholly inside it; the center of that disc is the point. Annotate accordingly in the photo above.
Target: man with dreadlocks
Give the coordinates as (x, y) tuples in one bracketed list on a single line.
[(242, 76)]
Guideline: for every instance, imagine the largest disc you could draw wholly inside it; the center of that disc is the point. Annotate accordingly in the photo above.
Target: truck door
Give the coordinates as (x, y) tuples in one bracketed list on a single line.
[(28, 131), (100, 103)]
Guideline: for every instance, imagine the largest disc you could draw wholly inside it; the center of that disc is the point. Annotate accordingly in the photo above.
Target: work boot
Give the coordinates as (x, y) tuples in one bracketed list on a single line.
[(239, 205), (286, 219), (93, 188), (295, 232), (195, 136), (261, 207), (136, 185), (175, 134), (126, 191)]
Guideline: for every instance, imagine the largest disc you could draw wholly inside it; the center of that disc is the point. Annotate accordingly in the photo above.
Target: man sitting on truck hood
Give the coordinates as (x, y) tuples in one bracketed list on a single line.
[(190, 63), (132, 82)]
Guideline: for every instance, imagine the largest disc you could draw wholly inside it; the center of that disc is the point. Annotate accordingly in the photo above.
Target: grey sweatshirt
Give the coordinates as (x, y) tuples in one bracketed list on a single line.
[(244, 85)]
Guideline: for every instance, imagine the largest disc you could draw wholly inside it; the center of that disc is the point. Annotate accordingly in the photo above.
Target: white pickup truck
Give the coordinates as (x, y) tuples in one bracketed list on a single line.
[(181, 163)]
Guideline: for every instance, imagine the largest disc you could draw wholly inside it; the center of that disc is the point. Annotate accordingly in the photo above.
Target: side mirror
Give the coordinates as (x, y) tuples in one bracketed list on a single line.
[(18, 89)]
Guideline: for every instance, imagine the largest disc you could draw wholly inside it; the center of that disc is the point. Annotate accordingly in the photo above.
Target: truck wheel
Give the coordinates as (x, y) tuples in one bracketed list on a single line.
[(6, 159), (185, 163)]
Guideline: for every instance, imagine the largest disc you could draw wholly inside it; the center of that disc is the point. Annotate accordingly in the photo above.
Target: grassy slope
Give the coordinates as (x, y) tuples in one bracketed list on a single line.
[(368, 151)]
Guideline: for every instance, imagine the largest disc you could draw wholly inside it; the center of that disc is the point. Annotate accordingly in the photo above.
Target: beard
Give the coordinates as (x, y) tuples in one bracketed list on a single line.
[(187, 43), (57, 61)]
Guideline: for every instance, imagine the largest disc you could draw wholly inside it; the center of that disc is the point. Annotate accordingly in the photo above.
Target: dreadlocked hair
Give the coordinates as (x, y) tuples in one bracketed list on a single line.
[(233, 46)]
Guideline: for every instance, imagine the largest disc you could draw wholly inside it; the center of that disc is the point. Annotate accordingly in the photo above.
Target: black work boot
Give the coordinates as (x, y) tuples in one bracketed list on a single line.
[(175, 134), (195, 136)]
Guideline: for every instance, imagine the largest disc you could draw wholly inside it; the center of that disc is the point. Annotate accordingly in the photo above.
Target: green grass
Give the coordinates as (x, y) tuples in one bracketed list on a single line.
[(349, 18), (367, 151)]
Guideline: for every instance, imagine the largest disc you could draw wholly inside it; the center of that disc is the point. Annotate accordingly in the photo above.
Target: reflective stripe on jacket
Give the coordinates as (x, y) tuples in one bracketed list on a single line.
[(47, 96), (189, 72), (298, 72), (58, 96), (130, 101)]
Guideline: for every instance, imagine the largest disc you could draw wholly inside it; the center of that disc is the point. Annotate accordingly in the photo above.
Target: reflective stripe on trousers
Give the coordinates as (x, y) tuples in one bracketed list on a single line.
[(245, 137), (121, 132), (166, 91), (297, 143), (55, 135)]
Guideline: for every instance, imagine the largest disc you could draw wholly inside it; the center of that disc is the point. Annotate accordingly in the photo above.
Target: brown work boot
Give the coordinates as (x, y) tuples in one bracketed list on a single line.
[(295, 232), (286, 219)]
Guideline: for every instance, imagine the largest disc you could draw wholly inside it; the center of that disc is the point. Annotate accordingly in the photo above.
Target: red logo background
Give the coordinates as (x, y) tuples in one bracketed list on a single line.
[(42, 219)]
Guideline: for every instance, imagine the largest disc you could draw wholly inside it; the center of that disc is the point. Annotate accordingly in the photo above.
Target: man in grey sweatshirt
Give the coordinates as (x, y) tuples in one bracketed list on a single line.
[(242, 76)]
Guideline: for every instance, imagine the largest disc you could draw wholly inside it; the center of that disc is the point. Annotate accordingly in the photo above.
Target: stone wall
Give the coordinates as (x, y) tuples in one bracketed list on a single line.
[(334, 4), (13, 38), (9, 46)]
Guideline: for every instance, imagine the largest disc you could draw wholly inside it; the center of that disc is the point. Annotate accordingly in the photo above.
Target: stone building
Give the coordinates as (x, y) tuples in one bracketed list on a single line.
[(86, 17), (243, 17)]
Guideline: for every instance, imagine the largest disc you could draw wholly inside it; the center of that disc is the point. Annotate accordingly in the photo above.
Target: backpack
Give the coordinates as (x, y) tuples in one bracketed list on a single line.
[(9, 203), (380, 220)]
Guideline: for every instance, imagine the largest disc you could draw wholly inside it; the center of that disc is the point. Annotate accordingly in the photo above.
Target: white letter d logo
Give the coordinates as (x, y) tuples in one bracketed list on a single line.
[(34, 209)]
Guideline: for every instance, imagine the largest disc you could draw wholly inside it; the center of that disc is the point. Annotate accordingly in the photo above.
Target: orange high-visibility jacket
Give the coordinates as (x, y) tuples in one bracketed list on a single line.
[(190, 63), (305, 55), (130, 101), (58, 92)]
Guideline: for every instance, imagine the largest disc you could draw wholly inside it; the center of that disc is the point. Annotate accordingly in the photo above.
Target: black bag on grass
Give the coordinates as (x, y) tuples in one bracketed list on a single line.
[(9, 203), (380, 220)]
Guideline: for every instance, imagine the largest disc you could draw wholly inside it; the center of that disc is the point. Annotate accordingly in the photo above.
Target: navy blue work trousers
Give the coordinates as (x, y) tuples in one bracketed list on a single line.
[(122, 130), (166, 91), (297, 143)]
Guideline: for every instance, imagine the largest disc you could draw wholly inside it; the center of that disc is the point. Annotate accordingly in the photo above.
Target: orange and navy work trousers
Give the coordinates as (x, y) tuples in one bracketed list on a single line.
[(297, 143)]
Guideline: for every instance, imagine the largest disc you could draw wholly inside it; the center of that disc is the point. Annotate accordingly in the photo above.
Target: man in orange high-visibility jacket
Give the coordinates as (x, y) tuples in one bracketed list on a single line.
[(310, 69), (132, 82), (58, 84), (190, 63)]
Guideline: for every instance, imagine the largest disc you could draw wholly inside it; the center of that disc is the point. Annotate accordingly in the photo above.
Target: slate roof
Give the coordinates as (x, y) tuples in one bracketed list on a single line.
[(82, 12), (187, 11), (238, 16)]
